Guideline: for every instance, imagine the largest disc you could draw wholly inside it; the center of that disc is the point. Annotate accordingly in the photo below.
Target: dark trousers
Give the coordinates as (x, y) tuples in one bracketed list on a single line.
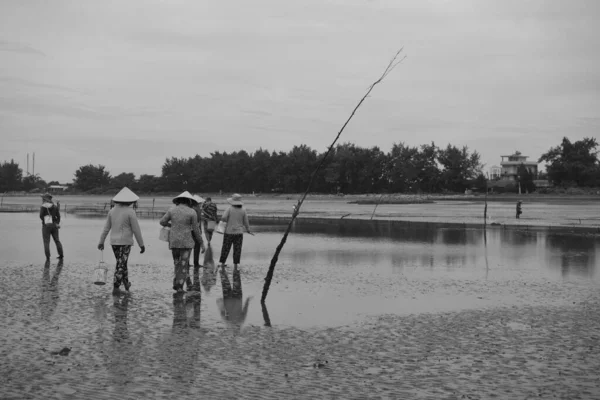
[(207, 232), (196, 253), (47, 231), (181, 259), (121, 274), (236, 240)]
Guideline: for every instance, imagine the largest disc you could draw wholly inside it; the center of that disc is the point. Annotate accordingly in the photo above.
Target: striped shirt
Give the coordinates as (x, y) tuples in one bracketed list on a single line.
[(209, 211)]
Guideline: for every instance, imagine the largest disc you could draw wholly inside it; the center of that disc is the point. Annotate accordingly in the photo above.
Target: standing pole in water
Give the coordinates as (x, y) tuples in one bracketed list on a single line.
[(390, 67), (485, 208)]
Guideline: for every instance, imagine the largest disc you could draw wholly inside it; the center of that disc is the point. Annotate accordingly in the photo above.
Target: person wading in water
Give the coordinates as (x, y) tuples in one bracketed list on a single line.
[(50, 216)]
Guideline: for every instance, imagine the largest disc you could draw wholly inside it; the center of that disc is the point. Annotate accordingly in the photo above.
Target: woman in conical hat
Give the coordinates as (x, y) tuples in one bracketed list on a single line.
[(183, 222), (123, 225), (237, 222)]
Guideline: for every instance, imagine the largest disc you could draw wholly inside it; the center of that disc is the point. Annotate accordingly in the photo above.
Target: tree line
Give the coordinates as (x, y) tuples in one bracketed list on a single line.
[(349, 169)]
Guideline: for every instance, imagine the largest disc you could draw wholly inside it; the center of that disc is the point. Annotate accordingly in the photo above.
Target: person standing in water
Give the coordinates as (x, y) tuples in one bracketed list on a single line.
[(237, 221), (50, 216), (123, 225), (197, 207), (209, 218), (183, 222)]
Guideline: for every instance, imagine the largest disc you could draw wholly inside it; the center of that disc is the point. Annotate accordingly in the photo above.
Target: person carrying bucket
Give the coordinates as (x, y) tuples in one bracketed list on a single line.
[(122, 224)]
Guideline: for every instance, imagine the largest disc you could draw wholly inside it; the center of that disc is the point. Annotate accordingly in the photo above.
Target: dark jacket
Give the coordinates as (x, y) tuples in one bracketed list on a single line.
[(52, 209)]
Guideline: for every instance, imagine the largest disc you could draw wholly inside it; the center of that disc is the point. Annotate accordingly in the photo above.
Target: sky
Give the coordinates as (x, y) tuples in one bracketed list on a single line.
[(130, 83)]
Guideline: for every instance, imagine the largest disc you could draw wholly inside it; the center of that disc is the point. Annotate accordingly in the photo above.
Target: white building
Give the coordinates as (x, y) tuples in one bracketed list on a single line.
[(510, 165)]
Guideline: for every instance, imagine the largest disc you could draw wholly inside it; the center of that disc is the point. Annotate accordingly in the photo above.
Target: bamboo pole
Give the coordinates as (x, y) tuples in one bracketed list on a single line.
[(485, 208), (390, 67)]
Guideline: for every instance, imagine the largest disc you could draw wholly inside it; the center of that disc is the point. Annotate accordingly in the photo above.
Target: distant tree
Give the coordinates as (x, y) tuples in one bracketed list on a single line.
[(124, 179), (480, 183), (90, 177), (32, 182), (402, 168), (51, 183), (10, 176), (149, 184), (458, 167), (573, 163), (525, 178)]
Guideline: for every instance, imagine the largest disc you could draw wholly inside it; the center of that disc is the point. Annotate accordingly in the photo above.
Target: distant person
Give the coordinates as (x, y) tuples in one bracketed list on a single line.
[(50, 216), (183, 222), (237, 221), (122, 224), (209, 217), (519, 210), (197, 207)]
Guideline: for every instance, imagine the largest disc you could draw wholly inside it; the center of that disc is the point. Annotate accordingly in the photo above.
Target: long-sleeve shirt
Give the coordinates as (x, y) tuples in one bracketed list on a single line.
[(122, 224), (50, 208), (183, 221), (236, 219)]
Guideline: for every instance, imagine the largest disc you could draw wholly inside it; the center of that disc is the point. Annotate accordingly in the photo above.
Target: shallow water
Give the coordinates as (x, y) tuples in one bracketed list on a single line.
[(330, 273), (356, 310)]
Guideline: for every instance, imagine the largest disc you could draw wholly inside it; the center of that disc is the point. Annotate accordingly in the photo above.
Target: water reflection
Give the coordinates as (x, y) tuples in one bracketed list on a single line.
[(233, 310), (179, 348), (573, 255), (209, 276), (124, 350), (50, 295)]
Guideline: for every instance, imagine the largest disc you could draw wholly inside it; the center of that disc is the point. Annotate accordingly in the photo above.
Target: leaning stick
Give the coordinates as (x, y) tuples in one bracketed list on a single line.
[(390, 67)]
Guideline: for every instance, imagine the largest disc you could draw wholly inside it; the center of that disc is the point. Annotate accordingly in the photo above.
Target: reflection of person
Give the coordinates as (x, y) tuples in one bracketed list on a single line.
[(50, 216), (183, 222), (124, 351), (237, 220), (122, 224), (197, 241), (209, 217), (120, 331), (232, 308), (209, 275), (49, 298), (519, 211)]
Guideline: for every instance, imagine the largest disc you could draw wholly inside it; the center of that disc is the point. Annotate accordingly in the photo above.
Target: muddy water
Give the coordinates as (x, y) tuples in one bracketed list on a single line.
[(330, 273), (356, 310)]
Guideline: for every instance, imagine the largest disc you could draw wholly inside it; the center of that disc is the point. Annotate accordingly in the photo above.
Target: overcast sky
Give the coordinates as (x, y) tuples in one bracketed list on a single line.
[(128, 83)]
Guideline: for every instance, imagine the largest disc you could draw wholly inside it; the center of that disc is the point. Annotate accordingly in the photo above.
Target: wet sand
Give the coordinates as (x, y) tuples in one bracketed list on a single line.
[(121, 347)]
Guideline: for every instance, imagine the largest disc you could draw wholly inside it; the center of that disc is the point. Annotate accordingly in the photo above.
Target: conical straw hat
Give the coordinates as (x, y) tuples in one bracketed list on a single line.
[(125, 196), (198, 199), (184, 195)]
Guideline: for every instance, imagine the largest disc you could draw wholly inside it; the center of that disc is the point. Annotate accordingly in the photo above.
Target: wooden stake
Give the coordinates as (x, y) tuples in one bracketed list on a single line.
[(390, 67)]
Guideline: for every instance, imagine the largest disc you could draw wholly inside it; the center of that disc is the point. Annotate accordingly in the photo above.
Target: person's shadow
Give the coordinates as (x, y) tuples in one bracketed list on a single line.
[(50, 296), (233, 310)]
